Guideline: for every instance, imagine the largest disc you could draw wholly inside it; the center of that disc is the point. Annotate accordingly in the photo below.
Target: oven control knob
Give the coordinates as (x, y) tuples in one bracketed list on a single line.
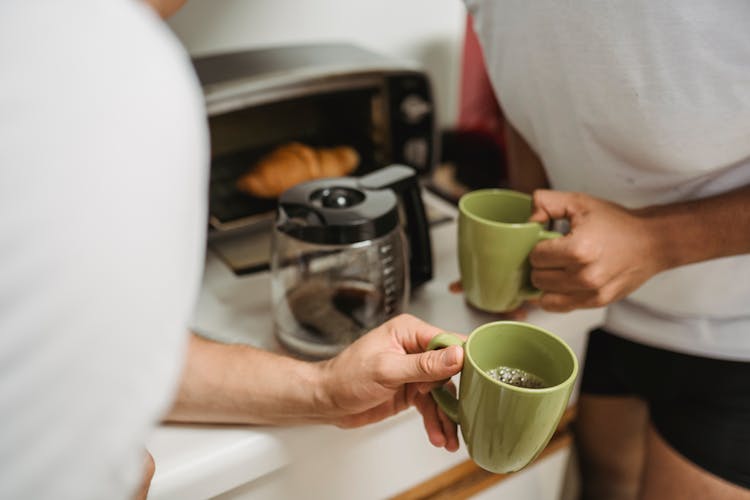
[(416, 152), (414, 108)]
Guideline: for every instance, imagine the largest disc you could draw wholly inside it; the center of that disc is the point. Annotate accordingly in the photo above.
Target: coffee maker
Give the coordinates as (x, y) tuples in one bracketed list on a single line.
[(342, 260)]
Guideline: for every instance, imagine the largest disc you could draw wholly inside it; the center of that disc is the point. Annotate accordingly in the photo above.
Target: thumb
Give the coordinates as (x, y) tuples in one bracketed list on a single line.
[(427, 366), (549, 205)]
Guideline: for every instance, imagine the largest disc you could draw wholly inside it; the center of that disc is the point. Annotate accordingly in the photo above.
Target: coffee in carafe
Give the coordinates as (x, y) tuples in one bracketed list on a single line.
[(335, 314)]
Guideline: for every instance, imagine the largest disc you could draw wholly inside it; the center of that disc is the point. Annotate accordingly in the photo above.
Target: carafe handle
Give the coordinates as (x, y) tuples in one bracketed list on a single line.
[(403, 181)]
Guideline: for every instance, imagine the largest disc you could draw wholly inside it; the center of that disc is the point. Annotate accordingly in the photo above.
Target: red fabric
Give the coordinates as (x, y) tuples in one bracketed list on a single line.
[(479, 111)]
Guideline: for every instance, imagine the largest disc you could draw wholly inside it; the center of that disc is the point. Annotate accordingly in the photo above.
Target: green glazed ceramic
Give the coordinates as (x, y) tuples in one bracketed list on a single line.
[(494, 241), (505, 427)]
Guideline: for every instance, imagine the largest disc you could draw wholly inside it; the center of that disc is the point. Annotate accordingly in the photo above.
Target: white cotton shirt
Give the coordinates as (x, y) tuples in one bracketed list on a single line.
[(103, 193), (641, 103)]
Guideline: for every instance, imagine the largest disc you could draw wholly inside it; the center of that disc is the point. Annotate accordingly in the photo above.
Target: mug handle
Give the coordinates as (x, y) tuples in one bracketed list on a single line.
[(528, 292), (444, 399)]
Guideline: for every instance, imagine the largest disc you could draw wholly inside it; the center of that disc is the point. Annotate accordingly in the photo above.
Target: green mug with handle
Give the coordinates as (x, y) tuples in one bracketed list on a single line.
[(504, 426), (494, 241)]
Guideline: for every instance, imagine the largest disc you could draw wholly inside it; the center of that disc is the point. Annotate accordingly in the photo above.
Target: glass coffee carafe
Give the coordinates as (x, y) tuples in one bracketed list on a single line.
[(341, 260)]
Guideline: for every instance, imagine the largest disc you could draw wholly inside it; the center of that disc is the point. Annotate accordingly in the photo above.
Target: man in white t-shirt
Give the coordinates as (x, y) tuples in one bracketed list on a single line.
[(103, 194), (637, 114)]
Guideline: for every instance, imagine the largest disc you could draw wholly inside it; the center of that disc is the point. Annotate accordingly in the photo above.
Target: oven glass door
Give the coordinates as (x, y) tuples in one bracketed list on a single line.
[(355, 118)]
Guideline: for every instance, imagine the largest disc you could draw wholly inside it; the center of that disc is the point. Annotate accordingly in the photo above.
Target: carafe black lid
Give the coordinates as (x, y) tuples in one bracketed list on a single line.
[(336, 211)]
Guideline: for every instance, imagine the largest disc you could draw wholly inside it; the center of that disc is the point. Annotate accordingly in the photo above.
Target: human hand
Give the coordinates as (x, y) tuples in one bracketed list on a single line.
[(608, 253), (386, 371), (519, 314)]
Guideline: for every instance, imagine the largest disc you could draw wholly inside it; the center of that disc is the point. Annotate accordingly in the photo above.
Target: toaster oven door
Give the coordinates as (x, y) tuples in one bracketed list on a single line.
[(355, 117)]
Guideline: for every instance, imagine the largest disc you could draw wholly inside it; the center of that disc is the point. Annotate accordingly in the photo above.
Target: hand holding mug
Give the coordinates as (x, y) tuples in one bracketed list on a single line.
[(386, 371), (608, 253), (505, 422)]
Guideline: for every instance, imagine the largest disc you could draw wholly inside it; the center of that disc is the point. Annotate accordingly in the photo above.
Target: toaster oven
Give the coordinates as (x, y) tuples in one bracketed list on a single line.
[(323, 96)]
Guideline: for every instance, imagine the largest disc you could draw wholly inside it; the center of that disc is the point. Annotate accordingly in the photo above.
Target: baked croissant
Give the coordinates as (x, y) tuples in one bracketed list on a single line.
[(292, 163)]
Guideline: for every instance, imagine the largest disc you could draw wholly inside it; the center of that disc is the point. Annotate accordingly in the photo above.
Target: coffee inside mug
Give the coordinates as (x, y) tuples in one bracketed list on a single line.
[(519, 349), (517, 377)]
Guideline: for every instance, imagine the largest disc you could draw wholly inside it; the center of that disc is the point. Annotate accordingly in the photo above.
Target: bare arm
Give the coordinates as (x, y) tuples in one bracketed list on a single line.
[(166, 8), (525, 168), (226, 383), (698, 230)]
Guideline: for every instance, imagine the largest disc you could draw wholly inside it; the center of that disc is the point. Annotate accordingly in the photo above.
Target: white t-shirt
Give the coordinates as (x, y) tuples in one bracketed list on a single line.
[(103, 193), (638, 102)]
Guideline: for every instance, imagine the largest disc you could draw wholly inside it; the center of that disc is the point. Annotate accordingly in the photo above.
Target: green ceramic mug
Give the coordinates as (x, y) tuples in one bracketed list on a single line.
[(505, 427), (494, 241)]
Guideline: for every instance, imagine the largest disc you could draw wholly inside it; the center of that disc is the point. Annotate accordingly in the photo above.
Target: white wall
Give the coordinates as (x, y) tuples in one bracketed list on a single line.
[(427, 31)]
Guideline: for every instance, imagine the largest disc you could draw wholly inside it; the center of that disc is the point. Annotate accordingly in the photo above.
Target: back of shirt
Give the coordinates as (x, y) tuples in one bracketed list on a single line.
[(641, 103), (103, 175)]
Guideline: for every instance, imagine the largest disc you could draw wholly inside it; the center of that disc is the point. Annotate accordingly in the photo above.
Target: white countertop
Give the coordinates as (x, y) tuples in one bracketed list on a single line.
[(200, 461)]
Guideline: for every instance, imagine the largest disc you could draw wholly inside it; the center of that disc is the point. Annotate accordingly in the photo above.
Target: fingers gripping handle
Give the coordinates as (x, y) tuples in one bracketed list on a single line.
[(444, 399), (529, 292)]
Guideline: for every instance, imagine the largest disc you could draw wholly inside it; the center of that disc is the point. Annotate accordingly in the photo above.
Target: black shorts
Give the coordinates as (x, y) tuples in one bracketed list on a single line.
[(700, 406)]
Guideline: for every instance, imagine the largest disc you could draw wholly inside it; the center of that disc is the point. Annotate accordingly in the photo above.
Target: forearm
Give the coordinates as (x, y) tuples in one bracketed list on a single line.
[(525, 169), (224, 383), (698, 230)]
